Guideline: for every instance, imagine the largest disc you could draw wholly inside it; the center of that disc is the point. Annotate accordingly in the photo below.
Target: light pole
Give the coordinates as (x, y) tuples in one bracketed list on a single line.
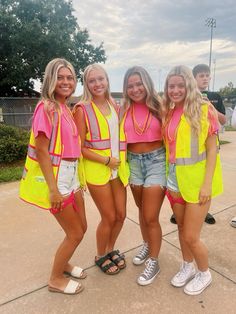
[(211, 22), (214, 73)]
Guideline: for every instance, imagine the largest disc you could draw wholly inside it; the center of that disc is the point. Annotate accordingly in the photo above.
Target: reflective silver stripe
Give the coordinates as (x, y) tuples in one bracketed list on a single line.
[(122, 145), (24, 173), (195, 156), (92, 120), (54, 132), (103, 144), (32, 154)]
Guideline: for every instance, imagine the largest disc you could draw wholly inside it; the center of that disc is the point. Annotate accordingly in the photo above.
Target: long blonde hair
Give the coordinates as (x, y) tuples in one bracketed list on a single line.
[(153, 101), (193, 100), (50, 82), (87, 96)]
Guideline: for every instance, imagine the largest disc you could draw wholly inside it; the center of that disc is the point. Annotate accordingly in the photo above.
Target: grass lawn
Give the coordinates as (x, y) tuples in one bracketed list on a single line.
[(12, 172)]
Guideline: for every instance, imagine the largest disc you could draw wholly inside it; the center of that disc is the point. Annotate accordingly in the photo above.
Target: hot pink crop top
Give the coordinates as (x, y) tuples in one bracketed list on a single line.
[(141, 115), (171, 129), (69, 132)]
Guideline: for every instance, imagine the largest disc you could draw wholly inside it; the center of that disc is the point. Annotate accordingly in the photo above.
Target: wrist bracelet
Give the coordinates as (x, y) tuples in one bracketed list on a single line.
[(108, 161)]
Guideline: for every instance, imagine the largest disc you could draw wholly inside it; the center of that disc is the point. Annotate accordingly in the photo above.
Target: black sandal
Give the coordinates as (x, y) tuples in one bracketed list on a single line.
[(105, 268), (118, 259)]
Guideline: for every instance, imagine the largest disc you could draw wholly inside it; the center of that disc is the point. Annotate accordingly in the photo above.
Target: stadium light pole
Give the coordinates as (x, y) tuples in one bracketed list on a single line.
[(210, 22)]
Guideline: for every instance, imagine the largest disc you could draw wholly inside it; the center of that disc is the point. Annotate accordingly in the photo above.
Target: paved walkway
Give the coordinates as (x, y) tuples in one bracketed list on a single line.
[(29, 237)]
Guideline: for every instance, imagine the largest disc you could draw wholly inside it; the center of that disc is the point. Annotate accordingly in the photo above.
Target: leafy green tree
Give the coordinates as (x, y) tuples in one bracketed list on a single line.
[(228, 90), (32, 32)]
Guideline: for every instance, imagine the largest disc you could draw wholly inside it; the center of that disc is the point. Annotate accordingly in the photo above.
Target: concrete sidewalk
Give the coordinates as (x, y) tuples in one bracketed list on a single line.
[(29, 237)]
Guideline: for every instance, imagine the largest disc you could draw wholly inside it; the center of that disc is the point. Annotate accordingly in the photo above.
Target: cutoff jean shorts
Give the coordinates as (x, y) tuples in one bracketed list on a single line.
[(68, 180), (148, 169), (172, 183)]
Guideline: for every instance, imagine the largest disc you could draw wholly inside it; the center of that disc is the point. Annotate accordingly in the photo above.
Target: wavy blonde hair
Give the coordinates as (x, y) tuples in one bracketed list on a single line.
[(50, 82), (193, 100), (87, 96), (153, 101)]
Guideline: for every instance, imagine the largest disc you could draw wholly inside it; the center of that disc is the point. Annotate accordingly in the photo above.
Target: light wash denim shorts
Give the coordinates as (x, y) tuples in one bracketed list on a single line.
[(148, 169), (172, 183), (68, 180)]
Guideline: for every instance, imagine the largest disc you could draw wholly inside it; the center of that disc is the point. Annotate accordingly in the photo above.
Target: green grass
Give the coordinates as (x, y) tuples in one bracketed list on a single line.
[(229, 128), (12, 172)]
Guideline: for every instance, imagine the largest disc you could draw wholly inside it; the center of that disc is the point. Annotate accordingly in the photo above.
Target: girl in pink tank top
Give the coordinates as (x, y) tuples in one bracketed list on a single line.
[(146, 158)]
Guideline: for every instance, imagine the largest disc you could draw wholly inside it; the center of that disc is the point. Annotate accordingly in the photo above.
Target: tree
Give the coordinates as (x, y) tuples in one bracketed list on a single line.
[(228, 90), (32, 32)]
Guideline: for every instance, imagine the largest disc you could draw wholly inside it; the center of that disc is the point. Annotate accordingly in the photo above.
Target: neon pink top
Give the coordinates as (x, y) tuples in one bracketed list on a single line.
[(69, 132), (153, 131), (171, 130)]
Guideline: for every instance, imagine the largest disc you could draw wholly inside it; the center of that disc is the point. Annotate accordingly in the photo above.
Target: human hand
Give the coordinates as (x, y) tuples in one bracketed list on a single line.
[(114, 163), (204, 194), (56, 199)]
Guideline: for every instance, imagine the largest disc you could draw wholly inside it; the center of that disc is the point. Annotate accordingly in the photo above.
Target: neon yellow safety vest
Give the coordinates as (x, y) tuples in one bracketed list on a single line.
[(98, 140), (191, 160), (33, 186)]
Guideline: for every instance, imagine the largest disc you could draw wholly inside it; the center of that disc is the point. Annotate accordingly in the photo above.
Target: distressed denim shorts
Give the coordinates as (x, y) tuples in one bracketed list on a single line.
[(68, 180), (148, 169), (172, 183)]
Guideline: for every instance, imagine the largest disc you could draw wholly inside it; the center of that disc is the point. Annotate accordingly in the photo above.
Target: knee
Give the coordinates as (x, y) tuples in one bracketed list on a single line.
[(76, 236), (190, 239), (120, 217)]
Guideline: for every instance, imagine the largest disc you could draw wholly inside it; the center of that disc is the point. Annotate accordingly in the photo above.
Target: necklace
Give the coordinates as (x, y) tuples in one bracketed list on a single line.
[(138, 127)]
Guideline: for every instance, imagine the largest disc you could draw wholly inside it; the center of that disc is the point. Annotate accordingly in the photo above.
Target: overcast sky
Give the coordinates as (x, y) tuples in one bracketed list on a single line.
[(159, 34)]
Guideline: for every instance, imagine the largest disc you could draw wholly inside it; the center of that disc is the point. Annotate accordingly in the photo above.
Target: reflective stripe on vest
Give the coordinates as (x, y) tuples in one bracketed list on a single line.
[(96, 142), (55, 159), (195, 156)]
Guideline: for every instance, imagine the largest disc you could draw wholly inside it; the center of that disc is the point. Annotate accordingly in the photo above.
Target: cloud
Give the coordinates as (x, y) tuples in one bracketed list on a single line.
[(158, 34)]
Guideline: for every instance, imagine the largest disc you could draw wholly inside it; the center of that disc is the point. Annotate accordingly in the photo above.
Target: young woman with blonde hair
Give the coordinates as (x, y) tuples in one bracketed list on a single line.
[(194, 172), (50, 179), (104, 159), (146, 157)]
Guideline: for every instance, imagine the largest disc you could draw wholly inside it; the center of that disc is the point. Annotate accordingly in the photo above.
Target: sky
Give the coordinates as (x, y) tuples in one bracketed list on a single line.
[(159, 34)]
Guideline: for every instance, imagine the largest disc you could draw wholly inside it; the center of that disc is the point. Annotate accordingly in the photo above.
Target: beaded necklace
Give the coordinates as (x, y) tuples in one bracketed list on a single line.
[(141, 128)]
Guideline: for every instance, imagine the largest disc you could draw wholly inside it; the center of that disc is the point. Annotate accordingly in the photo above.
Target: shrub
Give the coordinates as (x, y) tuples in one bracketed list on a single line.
[(13, 143)]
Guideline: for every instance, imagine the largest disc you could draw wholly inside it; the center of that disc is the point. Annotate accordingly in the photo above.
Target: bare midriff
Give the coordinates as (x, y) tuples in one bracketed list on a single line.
[(142, 147), (70, 159)]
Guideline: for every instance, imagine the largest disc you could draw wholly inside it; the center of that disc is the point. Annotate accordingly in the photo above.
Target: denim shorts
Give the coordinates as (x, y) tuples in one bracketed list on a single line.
[(172, 183), (148, 169), (68, 180)]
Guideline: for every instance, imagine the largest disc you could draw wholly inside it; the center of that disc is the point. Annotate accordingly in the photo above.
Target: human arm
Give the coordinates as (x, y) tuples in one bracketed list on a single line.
[(233, 119), (79, 118), (211, 153), (43, 157)]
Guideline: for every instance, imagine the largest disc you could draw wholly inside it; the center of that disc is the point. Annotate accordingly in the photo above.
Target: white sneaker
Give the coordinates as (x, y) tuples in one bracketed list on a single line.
[(233, 222), (186, 273), (141, 256), (199, 283), (150, 272)]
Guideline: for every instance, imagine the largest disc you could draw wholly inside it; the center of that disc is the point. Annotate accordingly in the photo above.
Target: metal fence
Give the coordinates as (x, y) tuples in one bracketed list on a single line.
[(17, 111)]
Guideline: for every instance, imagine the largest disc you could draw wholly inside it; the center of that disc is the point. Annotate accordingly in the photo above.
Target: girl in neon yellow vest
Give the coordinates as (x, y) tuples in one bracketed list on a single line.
[(194, 172), (104, 159), (50, 179)]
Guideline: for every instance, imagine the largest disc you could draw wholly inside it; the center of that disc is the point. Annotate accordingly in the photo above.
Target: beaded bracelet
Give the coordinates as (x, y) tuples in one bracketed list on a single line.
[(108, 161)]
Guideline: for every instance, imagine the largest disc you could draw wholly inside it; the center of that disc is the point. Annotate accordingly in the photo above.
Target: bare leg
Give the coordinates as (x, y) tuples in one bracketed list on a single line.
[(119, 196), (103, 198), (151, 205), (137, 191), (71, 223)]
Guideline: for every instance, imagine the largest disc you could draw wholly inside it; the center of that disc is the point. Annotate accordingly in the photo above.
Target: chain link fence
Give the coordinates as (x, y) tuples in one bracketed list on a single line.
[(17, 111)]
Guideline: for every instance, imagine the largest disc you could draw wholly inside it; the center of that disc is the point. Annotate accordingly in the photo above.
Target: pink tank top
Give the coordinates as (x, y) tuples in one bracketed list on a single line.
[(148, 127), (69, 132)]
